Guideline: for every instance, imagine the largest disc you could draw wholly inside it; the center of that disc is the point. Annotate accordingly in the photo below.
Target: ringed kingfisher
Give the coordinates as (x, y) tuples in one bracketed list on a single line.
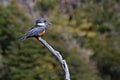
[(38, 30)]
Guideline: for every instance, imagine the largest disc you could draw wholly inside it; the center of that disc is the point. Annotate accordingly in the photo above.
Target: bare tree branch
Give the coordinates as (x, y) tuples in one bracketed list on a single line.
[(58, 56)]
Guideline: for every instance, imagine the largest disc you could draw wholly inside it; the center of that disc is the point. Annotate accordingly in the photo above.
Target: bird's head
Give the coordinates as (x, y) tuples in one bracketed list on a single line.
[(42, 22)]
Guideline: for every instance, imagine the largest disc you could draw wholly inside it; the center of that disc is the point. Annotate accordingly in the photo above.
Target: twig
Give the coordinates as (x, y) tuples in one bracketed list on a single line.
[(58, 56)]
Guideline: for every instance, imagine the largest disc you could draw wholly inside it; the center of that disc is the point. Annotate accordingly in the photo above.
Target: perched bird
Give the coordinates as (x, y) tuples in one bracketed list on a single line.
[(38, 30)]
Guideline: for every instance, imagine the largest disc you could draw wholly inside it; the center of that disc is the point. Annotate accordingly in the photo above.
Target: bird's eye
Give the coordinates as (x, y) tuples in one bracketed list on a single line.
[(45, 21)]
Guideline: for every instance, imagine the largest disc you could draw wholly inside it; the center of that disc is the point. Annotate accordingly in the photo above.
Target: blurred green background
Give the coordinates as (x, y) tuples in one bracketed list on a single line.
[(86, 32)]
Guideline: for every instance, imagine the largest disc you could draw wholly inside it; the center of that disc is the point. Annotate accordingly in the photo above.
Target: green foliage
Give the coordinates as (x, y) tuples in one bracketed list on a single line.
[(24, 60), (93, 24), (107, 57), (45, 6), (106, 44)]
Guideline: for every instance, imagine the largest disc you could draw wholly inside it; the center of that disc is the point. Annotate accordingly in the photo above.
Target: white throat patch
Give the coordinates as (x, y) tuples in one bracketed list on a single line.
[(41, 24)]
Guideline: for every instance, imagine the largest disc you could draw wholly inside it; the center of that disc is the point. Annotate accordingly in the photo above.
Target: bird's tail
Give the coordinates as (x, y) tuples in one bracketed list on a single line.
[(22, 38)]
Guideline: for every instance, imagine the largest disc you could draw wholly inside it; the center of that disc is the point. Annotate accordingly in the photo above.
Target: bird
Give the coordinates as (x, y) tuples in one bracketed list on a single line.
[(38, 30)]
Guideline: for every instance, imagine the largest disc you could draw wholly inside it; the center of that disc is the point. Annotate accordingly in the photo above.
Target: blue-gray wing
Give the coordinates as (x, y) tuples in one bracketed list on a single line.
[(34, 32)]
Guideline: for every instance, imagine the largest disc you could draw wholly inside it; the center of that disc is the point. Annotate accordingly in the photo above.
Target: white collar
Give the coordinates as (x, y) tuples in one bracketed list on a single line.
[(41, 24)]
